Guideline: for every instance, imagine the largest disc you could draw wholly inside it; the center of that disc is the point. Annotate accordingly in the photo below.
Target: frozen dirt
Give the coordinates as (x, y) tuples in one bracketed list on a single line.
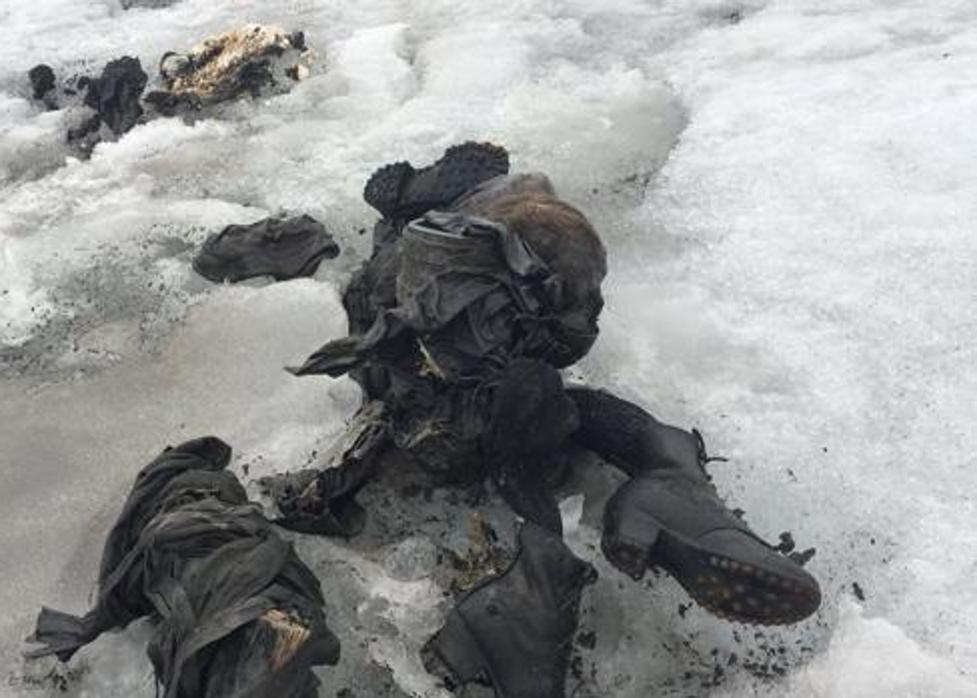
[(787, 193)]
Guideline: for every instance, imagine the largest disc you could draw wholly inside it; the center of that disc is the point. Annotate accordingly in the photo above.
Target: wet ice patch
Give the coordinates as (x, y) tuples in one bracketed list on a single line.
[(872, 658), (32, 142)]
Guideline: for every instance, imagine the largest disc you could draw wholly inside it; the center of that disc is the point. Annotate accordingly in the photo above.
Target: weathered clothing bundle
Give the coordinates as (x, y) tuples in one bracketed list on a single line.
[(236, 612), (449, 299)]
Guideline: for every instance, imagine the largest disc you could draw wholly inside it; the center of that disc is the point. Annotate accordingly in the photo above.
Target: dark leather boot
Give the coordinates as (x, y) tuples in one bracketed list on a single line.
[(515, 630), (674, 520)]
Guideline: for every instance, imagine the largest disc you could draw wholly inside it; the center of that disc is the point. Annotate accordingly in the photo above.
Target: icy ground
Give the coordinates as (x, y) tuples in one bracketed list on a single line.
[(787, 191)]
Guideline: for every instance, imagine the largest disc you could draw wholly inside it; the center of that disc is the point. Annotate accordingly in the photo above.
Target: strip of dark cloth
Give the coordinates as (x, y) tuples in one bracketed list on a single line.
[(236, 612)]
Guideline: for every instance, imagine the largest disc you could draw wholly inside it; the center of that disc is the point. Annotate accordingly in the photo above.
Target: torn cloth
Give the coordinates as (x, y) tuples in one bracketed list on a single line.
[(468, 296), (282, 248), (236, 611)]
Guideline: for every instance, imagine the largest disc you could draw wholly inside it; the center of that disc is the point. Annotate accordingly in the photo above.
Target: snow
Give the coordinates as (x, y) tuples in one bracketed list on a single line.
[(786, 190)]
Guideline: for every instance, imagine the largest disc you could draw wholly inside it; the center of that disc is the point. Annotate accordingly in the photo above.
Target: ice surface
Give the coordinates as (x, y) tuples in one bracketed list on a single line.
[(786, 190)]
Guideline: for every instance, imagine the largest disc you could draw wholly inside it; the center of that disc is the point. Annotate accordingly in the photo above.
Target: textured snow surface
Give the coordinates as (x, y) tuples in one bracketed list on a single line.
[(787, 192)]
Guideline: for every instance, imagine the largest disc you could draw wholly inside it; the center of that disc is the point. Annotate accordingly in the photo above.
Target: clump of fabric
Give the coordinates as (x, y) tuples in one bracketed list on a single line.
[(42, 80), (284, 248), (249, 60), (115, 94), (503, 270), (236, 612), (464, 286), (323, 501), (475, 292), (103, 107), (150, 4)]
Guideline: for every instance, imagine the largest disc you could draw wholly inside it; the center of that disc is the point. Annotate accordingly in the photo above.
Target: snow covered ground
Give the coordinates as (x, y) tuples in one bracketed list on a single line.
[(787, 192)]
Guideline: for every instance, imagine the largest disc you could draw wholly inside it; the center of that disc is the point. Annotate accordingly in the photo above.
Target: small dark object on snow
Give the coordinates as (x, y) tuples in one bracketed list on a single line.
[(42, 80), (857, 590), (282, 248), (787, 544), (115, 94), (587, 640), (150, 4), (236, 612), (516, 630), (803, 557)]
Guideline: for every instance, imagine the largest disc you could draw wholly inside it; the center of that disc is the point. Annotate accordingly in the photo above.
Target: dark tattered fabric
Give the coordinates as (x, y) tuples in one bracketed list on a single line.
[(237, 614), (449, 300), (323, 501), (42, 80), (115, 93), (282, 248), (469, 295), (449, 304)]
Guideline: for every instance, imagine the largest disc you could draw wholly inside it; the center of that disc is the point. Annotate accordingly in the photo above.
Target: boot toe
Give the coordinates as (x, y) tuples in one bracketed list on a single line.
[(736, 576)]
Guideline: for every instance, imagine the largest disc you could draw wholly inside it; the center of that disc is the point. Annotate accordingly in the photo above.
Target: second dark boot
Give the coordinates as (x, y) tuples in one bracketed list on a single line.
[(515, 631), (676, 521)]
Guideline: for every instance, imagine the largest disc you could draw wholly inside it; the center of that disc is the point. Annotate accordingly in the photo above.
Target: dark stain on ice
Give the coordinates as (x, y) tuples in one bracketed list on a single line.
[(58, 678), (587, 640)]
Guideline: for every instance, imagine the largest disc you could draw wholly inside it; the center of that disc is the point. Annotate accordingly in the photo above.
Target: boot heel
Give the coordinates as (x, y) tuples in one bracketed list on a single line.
[(629, 542), (453, 655)]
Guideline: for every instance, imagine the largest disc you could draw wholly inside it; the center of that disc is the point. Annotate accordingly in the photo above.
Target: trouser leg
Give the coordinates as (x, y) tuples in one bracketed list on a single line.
[(630, 438), (532, 420)]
